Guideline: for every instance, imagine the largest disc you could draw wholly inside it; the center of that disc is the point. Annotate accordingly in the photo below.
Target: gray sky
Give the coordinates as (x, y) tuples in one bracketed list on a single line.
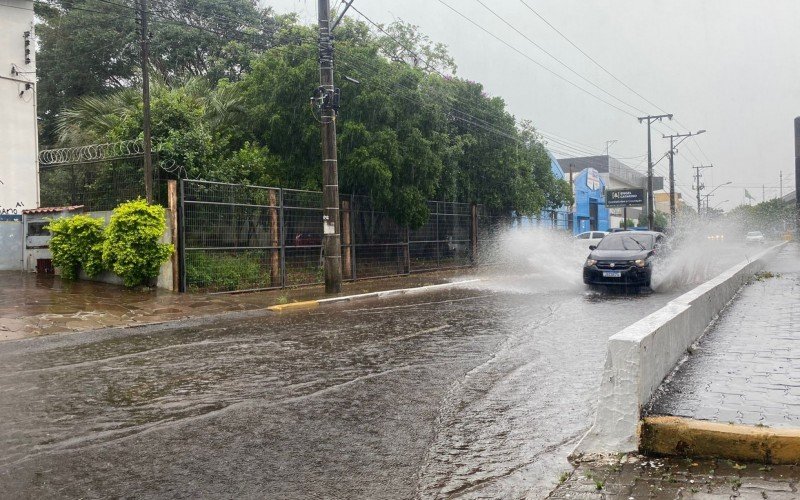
[(729, 66)]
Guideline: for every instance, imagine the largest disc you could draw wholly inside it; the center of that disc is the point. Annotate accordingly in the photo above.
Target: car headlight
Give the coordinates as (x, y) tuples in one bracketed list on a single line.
[(590, 262), (640, 262)]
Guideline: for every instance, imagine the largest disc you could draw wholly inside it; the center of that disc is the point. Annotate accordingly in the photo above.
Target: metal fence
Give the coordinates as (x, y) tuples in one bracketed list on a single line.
[(98, 176), (240, 238)]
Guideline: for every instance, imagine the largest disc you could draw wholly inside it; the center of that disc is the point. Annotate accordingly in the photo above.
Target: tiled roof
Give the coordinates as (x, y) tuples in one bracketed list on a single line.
[(52, 210)]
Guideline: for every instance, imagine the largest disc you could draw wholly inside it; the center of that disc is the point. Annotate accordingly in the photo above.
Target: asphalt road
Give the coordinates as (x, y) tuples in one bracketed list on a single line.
[(474, 392)]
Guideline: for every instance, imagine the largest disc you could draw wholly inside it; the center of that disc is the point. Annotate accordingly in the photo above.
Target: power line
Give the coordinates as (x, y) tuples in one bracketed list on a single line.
[(559, 61), (526, 56), (590, 57)]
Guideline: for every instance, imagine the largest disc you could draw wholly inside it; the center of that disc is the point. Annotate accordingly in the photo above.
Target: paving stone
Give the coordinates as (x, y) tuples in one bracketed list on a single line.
[(747, 367), (681, 478)]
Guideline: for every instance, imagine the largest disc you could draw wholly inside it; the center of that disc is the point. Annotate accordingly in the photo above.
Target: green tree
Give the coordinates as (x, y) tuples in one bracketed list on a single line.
[(91, 47)]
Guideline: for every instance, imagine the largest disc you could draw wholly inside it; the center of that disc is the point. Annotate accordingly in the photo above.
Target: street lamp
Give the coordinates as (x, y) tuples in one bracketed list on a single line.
[(725, 184), (720, 203), (711, 193)]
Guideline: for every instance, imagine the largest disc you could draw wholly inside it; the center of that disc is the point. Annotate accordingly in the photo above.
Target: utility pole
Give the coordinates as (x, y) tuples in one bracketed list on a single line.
[(698, 186), (672, 151), (609, 143), (148, 145), (327, 99), (650, 204), (781, 178), (763, 193)]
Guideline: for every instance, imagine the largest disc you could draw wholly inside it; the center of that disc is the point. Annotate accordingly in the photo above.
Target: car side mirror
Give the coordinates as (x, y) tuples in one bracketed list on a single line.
[(592, 247)]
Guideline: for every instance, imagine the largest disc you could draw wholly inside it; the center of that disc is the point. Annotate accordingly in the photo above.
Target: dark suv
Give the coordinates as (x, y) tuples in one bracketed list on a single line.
[(624, 258)]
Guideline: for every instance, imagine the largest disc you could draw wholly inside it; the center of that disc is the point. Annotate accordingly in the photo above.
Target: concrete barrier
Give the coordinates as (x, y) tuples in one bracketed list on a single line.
[(643, 354)]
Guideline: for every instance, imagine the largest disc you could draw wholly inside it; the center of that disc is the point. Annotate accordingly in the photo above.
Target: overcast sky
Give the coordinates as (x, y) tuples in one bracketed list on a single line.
[(729, 66)]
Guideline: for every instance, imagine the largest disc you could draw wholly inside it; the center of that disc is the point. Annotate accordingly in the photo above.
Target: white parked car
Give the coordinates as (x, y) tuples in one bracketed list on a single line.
[(754, 237), (589, 238)]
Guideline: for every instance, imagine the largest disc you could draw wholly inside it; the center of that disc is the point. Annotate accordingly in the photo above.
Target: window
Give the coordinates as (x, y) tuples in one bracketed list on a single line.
[(37, 229)]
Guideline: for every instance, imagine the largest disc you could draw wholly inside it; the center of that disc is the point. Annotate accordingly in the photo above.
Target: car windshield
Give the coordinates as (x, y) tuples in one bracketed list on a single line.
[(626, 241), (754, 233)]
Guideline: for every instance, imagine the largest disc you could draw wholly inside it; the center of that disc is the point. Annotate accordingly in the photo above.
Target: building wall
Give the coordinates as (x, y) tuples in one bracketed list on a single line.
[(589, 188), (18, 130)]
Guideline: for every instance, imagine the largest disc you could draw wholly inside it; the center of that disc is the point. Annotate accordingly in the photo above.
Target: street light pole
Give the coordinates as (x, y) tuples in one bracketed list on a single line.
[(650, 204), (672, 151)]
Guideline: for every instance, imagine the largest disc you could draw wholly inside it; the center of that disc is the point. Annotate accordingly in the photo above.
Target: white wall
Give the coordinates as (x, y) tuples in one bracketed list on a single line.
[(18, 131)]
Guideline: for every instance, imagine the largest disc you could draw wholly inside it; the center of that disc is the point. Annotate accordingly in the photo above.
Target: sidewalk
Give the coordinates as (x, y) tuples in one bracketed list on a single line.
[(743, 373), (34, 305), (638, 477), (746, 369)]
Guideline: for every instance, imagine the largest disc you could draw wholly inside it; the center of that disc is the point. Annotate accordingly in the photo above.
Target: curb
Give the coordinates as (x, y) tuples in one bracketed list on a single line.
[(640, 356), (310, 304), (686, 437)]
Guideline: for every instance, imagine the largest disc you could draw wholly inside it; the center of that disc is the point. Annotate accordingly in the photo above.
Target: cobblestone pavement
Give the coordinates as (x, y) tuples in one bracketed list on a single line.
[(637, 477), (746, 369), (33, 305)]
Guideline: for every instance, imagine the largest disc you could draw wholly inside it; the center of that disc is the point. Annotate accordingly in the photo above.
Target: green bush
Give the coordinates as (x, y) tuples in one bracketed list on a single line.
[(131, 248), (77, 242)]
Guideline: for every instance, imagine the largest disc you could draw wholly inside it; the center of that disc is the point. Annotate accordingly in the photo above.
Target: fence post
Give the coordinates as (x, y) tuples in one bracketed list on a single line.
[(347, 262), (172, 204), (274, 233), (407, 252), (182, 239), (473, 232), (353, 237), (282, 230)]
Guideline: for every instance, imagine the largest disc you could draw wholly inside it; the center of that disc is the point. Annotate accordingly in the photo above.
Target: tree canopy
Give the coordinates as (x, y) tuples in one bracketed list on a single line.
[(231, 102)]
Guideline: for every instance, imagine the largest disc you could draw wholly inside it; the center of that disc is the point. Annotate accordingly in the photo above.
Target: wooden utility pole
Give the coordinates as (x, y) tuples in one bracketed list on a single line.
[(698, 185), (672, 151), (650, 203), (148, 146), (328, 98)]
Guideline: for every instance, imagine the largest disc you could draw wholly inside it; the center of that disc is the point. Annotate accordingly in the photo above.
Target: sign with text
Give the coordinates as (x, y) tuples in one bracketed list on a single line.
[(624, 197)]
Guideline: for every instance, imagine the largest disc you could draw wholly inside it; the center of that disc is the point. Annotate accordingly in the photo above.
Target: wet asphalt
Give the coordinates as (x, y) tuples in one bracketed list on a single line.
[(473, 392)]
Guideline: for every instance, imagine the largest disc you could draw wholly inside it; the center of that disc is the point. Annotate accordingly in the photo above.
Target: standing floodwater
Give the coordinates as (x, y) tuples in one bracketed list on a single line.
[(475, 392)]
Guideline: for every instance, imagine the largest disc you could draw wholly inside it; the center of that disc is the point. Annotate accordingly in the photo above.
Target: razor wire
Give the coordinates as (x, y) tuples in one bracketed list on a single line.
[(91, 153)]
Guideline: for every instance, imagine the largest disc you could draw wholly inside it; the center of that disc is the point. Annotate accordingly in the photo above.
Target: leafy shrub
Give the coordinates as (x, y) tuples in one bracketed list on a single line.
[(131, 248), (77, 242)]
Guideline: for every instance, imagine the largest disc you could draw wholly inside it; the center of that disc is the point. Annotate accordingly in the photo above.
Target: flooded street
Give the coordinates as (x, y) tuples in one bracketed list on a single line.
[(475, 392)]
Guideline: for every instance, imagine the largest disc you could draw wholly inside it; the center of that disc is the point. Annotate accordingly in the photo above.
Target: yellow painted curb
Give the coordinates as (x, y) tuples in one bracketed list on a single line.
[(307, 304), (686, 437)]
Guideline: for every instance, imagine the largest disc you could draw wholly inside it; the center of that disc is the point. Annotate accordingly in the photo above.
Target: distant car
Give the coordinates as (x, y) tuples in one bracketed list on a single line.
[(616, 230), (589, 238), (754, 237), (624, 259)]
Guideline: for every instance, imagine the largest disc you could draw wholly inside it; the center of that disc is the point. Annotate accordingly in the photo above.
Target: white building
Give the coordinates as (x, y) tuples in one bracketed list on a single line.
[(18, 127), (19, 187)]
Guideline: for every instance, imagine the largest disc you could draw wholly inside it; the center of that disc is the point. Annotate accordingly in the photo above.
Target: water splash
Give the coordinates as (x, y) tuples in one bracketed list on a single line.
[(535, 259)]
